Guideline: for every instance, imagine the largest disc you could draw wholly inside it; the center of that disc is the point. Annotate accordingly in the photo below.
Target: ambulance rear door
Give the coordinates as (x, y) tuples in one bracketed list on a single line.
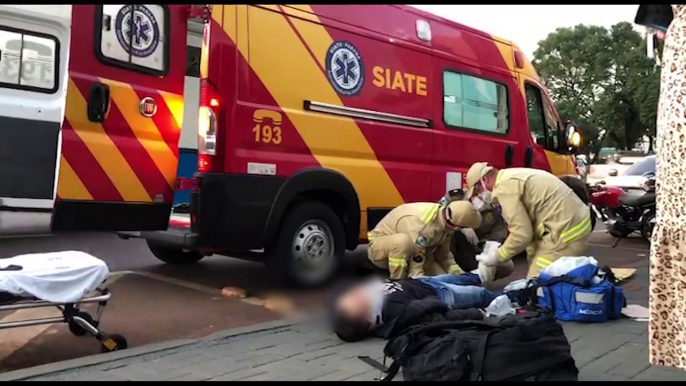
[(34, 44), (124, 111)]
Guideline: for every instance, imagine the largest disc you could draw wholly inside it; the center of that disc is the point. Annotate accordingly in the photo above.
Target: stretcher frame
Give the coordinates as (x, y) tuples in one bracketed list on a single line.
[(80, 322)]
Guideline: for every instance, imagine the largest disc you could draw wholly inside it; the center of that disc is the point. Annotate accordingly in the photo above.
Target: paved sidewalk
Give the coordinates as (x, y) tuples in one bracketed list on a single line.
[(616, 351)]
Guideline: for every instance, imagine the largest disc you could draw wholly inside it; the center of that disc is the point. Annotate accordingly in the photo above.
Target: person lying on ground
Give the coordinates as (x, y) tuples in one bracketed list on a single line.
[(385, 308)]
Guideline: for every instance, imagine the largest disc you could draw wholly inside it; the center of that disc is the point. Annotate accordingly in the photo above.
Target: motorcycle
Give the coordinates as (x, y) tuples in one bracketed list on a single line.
[(604, 200), (628, 212)]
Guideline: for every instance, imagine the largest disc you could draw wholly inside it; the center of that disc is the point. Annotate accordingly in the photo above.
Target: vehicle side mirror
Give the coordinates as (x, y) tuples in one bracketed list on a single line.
[(612, 173)]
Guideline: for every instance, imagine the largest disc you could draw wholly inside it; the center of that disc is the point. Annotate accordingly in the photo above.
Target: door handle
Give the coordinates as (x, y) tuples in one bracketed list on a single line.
[(98, 102), (509, 154), (528, 156)]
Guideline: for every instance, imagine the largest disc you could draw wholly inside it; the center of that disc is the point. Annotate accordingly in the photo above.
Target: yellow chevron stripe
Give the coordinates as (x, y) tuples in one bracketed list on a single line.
[(69, 184), (350, 153), (229, 21), (175, 105), (242, 30), (103, 149), (145, 130), (218, 13)]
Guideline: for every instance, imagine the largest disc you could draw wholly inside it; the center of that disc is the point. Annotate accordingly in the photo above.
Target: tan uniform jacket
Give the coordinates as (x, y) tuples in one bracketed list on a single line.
[(539, 208), (421, 222), (493, 226)]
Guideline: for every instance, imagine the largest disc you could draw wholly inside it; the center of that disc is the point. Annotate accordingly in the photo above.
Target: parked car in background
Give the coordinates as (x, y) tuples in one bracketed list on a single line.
[(635, 176), (615, 166), (605, 154)]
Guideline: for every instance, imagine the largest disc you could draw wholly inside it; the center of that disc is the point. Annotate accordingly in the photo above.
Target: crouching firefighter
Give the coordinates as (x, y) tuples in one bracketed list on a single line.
[(541, 212), (468, 243), (414, 239)]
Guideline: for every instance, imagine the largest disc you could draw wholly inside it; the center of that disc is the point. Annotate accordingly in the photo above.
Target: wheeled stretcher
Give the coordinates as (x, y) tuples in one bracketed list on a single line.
[(64, 280)]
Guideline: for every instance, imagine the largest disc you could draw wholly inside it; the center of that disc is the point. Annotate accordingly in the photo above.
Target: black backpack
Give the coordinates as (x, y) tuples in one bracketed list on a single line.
[(529, 346)]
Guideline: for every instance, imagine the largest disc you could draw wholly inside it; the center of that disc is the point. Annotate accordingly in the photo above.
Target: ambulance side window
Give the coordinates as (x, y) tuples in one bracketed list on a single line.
[(475, 103), (133, 36), (28, 61), (534, 106), (551, 125)]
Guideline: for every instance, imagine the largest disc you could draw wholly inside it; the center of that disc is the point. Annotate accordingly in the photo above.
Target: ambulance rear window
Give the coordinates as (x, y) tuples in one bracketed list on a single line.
[(475, 103), (28, 61), (133, 36)]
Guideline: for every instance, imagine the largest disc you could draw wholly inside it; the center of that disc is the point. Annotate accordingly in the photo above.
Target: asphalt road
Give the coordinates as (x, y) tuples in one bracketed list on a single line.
[(154, 302)]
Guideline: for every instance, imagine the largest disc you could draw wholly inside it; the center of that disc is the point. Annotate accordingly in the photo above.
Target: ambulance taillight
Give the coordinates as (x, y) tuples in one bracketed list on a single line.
[(207, 126)]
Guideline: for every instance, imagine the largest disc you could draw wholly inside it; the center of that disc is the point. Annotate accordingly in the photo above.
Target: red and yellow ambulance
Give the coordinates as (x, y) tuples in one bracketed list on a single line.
[(316, 120), (91, 103)]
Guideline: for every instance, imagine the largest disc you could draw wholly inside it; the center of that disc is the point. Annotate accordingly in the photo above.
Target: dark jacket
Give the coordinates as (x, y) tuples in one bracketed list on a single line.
[(426, 310)]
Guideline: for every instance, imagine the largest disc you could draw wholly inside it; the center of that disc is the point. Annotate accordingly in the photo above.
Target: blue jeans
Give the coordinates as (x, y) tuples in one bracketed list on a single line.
[(460, 291)]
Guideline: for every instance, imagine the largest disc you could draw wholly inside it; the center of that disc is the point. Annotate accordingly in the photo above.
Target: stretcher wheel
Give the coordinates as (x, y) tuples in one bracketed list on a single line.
[(114, 342), (77, 330)]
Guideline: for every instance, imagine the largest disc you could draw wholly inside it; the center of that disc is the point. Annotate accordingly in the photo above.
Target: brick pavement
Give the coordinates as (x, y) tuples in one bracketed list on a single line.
[(612, 351)]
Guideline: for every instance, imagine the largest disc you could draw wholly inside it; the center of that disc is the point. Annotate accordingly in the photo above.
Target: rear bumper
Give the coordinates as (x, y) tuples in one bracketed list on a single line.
[(70, 215), (181, 238), (233, 211)]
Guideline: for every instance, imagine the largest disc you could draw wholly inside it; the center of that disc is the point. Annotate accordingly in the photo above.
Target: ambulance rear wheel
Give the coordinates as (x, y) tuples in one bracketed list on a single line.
[(171, 255), (310, 246)]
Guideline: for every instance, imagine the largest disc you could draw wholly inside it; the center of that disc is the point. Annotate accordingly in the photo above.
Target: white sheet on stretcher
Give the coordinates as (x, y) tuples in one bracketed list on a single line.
[(57, 277)]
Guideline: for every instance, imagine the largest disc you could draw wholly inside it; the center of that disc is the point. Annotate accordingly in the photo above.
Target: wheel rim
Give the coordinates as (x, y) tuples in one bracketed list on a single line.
[(313, 250)]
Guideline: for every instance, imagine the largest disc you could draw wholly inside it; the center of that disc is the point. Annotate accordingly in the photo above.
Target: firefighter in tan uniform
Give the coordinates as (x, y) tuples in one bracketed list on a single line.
[(467, 244), (541, 211), (414, 239)]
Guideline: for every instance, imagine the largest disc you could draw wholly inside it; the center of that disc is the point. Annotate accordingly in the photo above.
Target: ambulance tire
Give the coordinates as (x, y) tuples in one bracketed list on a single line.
[(310, 231), (171, 255)]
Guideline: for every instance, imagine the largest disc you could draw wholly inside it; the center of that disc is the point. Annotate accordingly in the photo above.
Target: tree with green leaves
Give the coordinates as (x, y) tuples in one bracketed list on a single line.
[(603, 81)]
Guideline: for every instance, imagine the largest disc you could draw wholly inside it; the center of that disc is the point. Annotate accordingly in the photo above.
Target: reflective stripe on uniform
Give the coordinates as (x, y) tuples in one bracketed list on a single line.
[(577, 230), (397, 262), (502, 254), (454, 268), (540, 229), (430, 213), (542, 262), (370, 236)]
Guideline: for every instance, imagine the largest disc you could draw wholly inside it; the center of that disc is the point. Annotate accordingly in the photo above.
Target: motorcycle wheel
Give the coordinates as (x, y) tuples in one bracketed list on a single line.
[(619, 234), (618, 231), (648, 226)]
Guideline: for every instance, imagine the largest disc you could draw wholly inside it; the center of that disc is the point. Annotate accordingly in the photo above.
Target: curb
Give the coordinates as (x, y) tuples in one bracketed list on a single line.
[(281, 323), (92, 360)]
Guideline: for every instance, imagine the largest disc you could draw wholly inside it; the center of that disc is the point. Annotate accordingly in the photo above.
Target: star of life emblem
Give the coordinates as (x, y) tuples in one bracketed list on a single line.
[(345, 68), (137, 32)]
